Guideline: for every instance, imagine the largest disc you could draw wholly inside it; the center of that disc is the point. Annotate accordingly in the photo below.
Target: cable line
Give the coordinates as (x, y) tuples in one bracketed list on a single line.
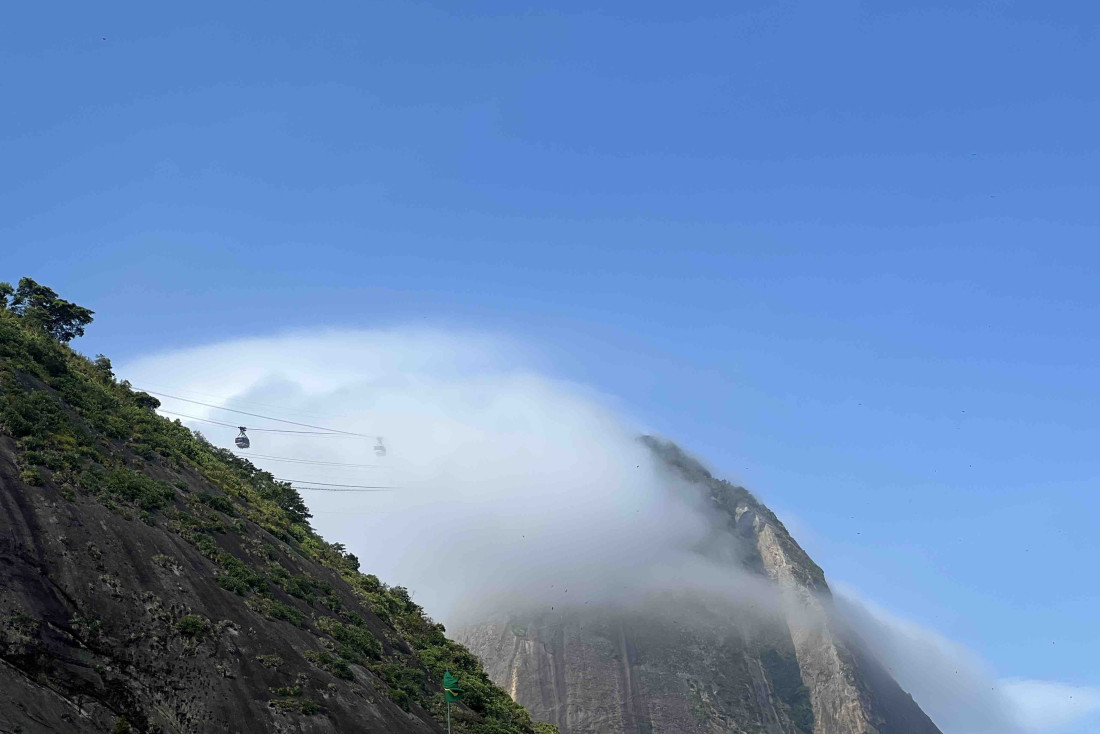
[(196, 418), (257, 415), (328, 484), (343, 512), (298, 483), (309, 461), (248, 404), (263, 430), (331, 489)]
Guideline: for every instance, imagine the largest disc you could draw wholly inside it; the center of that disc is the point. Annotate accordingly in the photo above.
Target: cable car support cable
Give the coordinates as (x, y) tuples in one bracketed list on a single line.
[(329, 484), (257, 415), (311, 461), (257, 430)]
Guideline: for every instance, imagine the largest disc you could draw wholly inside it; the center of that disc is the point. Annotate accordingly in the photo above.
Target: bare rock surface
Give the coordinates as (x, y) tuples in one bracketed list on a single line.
[(679, 665), (89, 609)]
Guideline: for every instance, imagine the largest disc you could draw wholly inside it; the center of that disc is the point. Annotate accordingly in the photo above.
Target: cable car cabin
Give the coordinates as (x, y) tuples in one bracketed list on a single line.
[(242, 440), (379, 449)]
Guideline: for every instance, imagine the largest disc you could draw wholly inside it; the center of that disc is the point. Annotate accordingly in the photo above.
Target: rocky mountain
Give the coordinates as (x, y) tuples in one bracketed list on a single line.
[(152, 582), (679, 663)]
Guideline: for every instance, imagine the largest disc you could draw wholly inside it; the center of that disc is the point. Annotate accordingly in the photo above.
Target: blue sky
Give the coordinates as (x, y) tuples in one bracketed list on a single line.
[(845, 251)]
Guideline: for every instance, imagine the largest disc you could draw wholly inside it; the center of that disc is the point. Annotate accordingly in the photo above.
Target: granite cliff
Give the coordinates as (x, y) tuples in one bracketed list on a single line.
[(680, 663)]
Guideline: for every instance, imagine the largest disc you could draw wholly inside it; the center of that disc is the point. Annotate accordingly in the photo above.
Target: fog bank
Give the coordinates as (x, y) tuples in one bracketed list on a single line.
[(506, 482), (512, 485)]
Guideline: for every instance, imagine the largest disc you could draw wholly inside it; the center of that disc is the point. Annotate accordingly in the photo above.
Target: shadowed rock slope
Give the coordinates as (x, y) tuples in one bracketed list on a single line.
[(151, 582), (682, 664)]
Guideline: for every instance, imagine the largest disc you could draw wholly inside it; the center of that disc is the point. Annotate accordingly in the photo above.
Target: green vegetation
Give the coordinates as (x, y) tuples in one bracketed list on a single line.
[(84, 434), (191, 625), (221, 504), (405, 684), (290, 700), (39, 306), (269, 606), (786, 680), (334, 665), (356, 643)]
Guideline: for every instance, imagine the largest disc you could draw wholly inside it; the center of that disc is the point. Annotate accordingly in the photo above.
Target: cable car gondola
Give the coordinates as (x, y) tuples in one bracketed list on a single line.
[(242, 440), (379, 449)]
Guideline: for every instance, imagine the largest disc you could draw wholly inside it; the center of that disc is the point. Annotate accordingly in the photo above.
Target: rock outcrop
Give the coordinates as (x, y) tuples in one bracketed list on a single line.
[(680, 665)]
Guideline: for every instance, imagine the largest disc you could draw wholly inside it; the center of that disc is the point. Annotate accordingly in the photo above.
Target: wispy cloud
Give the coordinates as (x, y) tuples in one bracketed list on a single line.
[(1055, 708), (956, 688), (507, 482)]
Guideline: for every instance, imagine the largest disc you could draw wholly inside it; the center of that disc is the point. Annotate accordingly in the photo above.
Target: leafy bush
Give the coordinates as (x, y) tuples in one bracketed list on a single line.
[(287, 705), (288, 691), (405, 683), (356, 642), (131, 486), (221, 504), (271, 607), (191, 625), (334, 665)]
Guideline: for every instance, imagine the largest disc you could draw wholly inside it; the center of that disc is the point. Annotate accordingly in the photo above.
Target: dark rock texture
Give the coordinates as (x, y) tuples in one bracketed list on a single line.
[(90, 603)]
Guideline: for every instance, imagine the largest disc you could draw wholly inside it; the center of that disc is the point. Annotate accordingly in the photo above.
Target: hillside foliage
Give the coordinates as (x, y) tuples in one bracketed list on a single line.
[(77, 428)]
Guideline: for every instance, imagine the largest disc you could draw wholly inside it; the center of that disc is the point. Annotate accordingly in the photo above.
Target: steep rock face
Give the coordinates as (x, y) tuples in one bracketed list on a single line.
[(682, 666), (620, 671), (91, 605)]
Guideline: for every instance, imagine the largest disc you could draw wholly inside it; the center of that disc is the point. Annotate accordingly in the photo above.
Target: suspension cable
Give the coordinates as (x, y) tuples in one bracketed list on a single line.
[(196, 418), (221, 399), (312, 462), (257, 430), (257, 415), (299, 483), (333, 489), (329, 484)]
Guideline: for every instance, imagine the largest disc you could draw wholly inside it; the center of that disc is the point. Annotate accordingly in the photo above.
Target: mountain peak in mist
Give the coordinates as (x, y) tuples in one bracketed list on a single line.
[(744, 638)]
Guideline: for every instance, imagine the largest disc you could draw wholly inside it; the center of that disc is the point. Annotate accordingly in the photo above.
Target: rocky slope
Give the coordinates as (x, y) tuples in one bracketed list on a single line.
[(151, 582), (681, 664)]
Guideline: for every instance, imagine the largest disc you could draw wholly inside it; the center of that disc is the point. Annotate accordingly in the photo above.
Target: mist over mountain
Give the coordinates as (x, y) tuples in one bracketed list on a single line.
[(518, 495)]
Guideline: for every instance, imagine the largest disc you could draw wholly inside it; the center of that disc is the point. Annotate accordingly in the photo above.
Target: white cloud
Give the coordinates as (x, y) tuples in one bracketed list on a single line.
[(511, 483), (950, 683), (1049, 706), (507, 481), (956, 688)]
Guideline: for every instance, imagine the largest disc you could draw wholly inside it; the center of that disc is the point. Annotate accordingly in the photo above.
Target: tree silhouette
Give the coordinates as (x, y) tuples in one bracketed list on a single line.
[(40, 305)]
